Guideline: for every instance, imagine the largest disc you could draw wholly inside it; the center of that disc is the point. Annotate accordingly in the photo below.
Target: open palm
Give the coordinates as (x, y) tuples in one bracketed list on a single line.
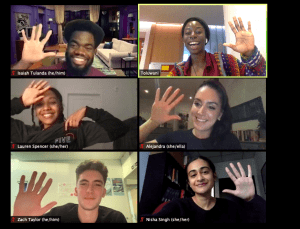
[(29, 203), (244, 185), (161, 107), (33, 48), (34, 92), (244, 39)]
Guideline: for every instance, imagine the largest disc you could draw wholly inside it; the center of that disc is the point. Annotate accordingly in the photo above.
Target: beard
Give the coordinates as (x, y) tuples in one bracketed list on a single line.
[(74, 71)]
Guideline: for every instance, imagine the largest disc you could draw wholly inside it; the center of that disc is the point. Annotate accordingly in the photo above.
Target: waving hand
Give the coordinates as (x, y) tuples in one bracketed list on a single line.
[(33, 48), (244, 39), (244, 185), (29, 203), (162, 107)]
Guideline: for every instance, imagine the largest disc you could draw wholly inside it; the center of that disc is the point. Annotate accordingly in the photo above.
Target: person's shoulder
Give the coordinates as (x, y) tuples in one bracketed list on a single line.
[(107, 214), (179, 133), (59, 66), (95, 72), (226, 204), (229, 136), (62, 210), (181, 63), (231, 140)]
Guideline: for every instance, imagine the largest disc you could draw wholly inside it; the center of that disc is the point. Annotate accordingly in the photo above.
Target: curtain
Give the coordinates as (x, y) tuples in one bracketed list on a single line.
[(60, 17), (94, 13), (217, 38)]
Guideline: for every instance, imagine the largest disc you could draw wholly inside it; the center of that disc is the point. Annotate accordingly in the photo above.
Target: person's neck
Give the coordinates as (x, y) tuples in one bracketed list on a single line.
[(201, 134), (87, 216), (198, 60), (204, 201)]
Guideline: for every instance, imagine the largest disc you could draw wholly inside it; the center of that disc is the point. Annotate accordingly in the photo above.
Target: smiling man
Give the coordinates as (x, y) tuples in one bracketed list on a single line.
[(82, 36), (91, 177)]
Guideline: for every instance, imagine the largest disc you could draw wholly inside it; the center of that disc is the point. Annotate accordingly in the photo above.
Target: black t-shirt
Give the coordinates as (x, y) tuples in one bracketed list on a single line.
[(224, 211), (228, 142), (69, 214)]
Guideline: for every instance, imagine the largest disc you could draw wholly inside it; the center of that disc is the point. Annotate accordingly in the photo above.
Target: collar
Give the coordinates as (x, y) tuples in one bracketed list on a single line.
[(188, 64)]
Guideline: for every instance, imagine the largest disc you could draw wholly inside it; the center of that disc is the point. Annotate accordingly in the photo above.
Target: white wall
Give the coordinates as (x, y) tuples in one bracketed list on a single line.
[(117, 96), (64, 172), (145, 27), (257, 15)]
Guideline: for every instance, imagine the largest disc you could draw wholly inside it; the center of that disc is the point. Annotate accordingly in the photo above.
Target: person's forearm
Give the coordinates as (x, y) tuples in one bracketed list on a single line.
[(147, 128), (21, 65)]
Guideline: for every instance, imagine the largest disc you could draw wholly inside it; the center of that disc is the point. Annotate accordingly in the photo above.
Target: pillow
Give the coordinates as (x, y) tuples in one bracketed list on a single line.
[(108, 45)]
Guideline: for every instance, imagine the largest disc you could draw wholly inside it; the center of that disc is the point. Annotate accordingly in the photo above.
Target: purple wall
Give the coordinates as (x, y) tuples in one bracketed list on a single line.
[(124, 20), (35, 18)]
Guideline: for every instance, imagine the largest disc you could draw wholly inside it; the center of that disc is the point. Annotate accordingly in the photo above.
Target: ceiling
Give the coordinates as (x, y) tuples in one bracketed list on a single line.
[(211, 14), (65, 156), (187, 87), (217, 157)]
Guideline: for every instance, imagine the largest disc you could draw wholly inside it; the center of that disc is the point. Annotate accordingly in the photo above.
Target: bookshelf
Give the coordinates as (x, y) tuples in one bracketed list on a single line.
[(164, 181), (251, 139)]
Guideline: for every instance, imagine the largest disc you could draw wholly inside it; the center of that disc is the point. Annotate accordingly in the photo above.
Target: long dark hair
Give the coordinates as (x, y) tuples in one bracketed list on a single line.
[(222, 127), (61, 117)]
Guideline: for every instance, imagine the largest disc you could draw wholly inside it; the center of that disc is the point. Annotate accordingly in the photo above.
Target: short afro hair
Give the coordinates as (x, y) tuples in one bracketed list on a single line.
[(202, 22), (84, 25)]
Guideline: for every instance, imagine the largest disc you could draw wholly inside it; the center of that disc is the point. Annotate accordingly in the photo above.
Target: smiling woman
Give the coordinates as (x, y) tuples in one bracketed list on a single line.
[(47, 106), (196, 34), (210, 114), (203, 208)]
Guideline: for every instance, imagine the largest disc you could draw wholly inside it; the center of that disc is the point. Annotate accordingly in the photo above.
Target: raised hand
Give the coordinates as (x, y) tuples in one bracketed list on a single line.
[(34, 92), (29, 203), (75, 118), (161, 108), (33, 48), (244, 185), (244, 39)]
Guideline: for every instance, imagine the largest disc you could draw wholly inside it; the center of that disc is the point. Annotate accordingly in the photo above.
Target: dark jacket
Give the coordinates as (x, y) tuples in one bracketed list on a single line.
[(106, 128), (69, 214)]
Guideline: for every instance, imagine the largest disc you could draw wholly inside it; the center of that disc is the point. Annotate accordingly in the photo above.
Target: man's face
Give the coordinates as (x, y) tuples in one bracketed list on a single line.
[(80, 53), (90, 189)]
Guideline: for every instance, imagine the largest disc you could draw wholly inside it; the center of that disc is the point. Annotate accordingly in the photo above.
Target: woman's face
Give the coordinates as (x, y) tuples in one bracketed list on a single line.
[(194, 37), (206, 110), (201, 177), (48, 109)]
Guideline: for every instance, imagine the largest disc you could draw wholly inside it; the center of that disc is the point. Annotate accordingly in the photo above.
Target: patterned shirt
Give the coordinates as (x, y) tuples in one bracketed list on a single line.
[(221, 64)]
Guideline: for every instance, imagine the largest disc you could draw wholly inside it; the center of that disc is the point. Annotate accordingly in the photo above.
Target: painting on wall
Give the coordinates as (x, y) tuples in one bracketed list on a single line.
[(108, 187), (22, 21), (118, 187)]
